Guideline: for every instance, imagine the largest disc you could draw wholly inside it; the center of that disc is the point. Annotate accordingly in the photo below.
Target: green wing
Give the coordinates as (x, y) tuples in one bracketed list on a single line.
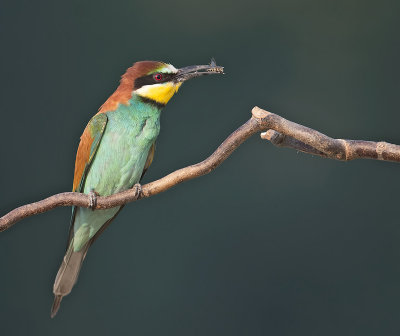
[(90, 141)]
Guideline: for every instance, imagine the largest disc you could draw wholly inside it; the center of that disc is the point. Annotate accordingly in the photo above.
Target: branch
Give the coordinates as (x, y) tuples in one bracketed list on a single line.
[(251, 127), (281, 132), (285, 133)]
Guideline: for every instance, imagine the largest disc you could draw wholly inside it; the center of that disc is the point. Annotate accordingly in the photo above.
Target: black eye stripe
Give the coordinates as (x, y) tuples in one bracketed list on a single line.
[(149, 80)]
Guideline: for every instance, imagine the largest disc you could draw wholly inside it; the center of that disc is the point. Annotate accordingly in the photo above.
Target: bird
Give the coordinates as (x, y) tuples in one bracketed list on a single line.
[(115, 150)]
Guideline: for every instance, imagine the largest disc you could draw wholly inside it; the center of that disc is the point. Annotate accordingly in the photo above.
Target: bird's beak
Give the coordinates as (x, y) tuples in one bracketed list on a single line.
[(193, 71)]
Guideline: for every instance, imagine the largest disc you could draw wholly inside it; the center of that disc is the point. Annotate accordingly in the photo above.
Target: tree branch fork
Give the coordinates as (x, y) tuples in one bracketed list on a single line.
[(279, 131)]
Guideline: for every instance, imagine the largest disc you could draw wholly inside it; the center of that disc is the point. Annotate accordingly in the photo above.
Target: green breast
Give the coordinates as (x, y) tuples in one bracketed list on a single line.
[(121, 156)]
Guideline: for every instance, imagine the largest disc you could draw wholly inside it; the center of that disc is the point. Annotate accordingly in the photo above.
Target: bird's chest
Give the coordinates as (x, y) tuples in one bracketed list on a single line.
[(122, 154)]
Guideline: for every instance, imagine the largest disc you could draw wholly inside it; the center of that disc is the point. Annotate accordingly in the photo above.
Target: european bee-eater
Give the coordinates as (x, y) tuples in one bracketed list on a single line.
[(116, 148)]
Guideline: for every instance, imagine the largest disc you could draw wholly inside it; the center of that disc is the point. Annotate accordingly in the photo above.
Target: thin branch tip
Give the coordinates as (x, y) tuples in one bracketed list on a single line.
[(259, 113)]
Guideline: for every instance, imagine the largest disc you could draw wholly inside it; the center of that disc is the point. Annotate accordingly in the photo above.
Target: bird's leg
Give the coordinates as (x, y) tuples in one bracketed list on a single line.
[(138, 190), (93, 199)]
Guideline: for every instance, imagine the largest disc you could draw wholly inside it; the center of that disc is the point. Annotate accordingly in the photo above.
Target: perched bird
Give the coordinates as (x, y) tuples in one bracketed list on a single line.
[(116, 148)]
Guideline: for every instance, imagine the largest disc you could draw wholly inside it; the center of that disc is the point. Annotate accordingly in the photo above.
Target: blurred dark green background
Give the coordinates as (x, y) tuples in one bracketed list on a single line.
[(271, 243)]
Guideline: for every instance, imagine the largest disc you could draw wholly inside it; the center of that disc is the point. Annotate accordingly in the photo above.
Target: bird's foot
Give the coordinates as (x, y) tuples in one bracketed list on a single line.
[(138, 190), (93, 199)]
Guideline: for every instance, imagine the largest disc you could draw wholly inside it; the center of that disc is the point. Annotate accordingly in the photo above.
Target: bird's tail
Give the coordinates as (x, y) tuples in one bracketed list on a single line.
[(67, 274)]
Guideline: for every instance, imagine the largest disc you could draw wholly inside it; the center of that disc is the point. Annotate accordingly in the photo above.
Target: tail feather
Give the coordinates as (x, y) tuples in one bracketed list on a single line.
[(56, 305), (67, 275)]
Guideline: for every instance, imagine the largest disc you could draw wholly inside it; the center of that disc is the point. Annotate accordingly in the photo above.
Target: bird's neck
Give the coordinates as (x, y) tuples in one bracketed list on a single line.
[(144, 108), (137, 119), (136, 112)]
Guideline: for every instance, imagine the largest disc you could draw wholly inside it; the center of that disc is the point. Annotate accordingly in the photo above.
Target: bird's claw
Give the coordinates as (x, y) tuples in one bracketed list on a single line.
[(138, 190), (93, 199)]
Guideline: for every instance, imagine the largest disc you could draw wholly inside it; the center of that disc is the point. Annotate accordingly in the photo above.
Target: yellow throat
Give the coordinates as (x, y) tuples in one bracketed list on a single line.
[(161, 93)]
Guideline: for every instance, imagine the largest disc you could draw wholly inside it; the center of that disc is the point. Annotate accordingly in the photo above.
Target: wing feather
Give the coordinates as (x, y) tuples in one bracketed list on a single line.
[(90, 141), (88, 145), (149, 159)]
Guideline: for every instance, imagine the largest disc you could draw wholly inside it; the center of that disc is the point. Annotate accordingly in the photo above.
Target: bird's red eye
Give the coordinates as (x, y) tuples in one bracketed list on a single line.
[(158, 77)]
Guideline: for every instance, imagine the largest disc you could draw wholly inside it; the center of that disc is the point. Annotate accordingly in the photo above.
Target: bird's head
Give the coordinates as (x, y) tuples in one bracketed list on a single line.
[(158, 81), (155, 82)]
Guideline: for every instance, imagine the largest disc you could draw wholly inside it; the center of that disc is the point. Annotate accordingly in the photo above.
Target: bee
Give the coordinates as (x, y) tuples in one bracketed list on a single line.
[(215, 67)]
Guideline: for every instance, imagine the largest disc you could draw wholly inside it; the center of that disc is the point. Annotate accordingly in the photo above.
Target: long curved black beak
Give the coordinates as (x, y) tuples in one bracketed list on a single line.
[(193, 71)]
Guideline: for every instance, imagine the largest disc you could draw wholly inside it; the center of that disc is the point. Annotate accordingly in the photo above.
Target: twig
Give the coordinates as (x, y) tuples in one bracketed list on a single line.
[(284, 133), (279, 131), (82, 200)]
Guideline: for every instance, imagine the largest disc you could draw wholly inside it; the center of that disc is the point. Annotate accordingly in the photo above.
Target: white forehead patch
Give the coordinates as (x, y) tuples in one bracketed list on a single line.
[(169, 68)]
